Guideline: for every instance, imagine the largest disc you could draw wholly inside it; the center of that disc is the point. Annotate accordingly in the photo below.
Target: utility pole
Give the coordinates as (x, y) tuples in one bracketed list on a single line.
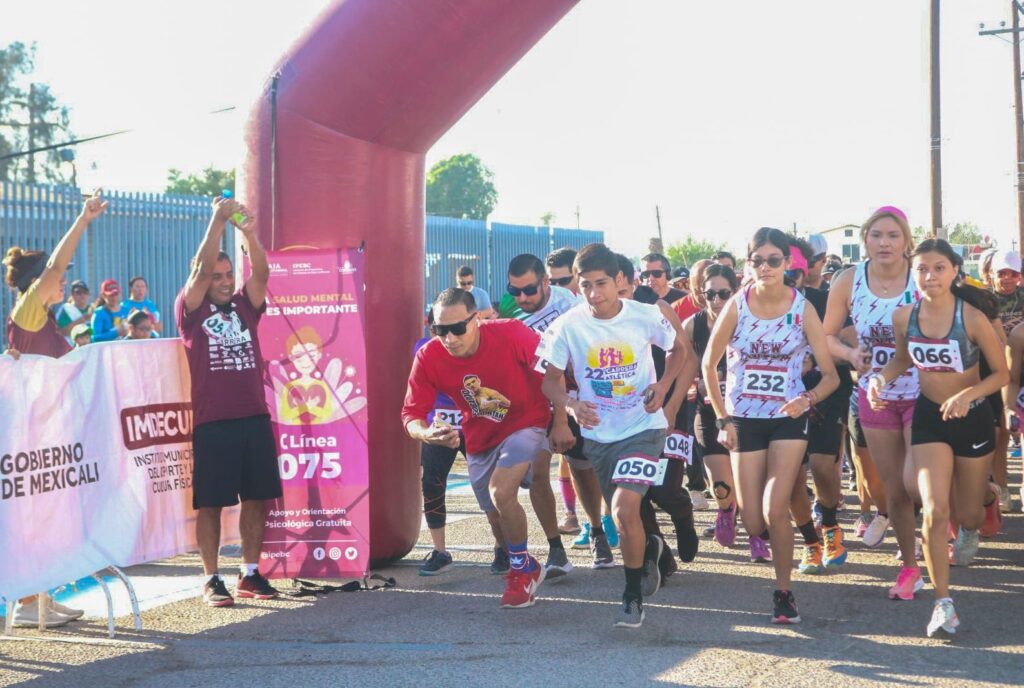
[(1018, 111), (657, 215), (31, 175), (936, 108), (577, 215)]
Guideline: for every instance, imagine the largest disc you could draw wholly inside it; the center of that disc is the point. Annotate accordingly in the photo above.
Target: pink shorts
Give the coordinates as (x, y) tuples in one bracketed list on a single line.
[(895, 416)]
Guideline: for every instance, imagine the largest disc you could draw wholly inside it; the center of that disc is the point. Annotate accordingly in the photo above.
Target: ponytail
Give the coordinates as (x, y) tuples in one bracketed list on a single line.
[(984, 300)]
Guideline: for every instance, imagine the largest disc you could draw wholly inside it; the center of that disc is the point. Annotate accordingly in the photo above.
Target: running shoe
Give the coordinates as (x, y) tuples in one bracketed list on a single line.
[(521, 586), (687, 542), (630, 614), (817, 513), (255, 586), (652, 572), (725, 527), (965, 548), (1005, 502), (610, 531), (835, 552), (667, 564), (500, 564), (861, 525), (709, 531), (841, 502), (215, 593), (810, 563), (700, 502), (785, 608), (602, 551), (907, 583), (993, 518), (435, 562), (583, 541), (876, 530), (27, 616), (569, 525), (557, 565), (760, 553), (66, 611), (944, 619)]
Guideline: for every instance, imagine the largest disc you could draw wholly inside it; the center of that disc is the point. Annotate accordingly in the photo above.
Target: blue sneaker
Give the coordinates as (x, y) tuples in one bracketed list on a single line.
[(583, 541), (435, 563), (608, 523)]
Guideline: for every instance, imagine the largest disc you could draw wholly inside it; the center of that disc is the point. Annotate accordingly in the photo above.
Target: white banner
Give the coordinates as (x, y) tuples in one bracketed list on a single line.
[(95, 462)]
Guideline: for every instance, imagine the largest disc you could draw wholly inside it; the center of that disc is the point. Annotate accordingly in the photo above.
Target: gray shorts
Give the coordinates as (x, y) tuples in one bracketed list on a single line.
[(522, 446), (605, 455)]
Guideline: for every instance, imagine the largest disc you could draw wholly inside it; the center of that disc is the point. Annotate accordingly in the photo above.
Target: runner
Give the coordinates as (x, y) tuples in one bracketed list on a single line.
[(607, 341), (766, 332), (541, 304), (1006, 266), (869, 294), (488, 369), (1012, 400), (944, 335)]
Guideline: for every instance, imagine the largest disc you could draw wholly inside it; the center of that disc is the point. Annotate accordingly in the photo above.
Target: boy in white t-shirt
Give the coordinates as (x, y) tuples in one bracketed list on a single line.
[(607, 342)]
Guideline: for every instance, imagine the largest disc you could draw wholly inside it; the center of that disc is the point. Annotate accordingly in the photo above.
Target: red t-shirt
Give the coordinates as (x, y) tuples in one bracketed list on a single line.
[(497, 388), (223, 357), (685, 307)]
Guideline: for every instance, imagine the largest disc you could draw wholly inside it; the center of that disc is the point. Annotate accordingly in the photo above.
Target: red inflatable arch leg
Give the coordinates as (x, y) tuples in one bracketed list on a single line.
[(335, 157)]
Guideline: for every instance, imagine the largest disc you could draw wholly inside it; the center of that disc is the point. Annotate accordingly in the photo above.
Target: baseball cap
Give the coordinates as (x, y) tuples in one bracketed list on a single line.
[(831, 267), (79, 285), (681, 272), (1006, 260), (818, 243), (110, 287), (80, 329)]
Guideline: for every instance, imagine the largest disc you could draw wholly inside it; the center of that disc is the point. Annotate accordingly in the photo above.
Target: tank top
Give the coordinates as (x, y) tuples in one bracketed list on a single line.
[(701, 336), (764, 360), (953, 353), (872, 318)]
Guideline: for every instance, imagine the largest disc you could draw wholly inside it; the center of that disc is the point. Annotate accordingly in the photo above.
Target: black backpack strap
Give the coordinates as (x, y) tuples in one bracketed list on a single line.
[(305, 588)]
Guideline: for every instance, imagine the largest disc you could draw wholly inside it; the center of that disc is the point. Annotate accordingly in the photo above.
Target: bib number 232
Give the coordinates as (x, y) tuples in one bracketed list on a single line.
[(765, 382)]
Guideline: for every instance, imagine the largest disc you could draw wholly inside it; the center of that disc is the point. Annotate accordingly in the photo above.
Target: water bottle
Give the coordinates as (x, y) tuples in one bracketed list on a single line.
[(238, 218)]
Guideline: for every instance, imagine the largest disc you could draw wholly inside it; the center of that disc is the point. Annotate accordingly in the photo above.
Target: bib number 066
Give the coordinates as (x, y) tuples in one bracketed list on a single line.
[(310, 465)]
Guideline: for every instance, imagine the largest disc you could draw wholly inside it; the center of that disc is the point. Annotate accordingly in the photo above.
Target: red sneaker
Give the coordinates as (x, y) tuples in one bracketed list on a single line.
[(521, 587), (993, 518)]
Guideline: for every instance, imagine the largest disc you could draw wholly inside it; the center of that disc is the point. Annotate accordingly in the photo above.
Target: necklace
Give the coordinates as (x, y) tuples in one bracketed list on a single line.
[(883, 285)]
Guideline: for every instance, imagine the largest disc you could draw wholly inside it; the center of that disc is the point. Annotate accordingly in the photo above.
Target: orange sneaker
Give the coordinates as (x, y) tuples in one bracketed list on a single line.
[(835, 553)]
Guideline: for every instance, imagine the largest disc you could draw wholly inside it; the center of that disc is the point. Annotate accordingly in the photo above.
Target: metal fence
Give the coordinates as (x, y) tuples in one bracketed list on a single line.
[(156, 235)]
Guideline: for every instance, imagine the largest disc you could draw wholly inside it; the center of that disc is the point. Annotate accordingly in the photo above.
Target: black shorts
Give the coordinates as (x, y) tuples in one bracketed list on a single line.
[(755, 434), (575, 454), (996, 401), (234, 459), (825, 433), (706, 432), (971, 436), (853, 423)]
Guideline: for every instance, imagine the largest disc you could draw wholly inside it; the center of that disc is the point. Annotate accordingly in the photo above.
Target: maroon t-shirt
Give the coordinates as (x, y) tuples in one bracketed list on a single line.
[(46, 342), (223, 357)]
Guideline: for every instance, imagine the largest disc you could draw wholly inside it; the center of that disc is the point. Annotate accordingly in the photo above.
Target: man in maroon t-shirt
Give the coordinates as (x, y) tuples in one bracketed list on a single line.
[(490, 370), (234, 455)]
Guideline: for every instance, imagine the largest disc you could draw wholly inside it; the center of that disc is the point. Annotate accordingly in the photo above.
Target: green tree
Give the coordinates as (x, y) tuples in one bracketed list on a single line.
[(691, 249), (461, 186), (547, 219), (30, 118), (965, 233), (209, 182)]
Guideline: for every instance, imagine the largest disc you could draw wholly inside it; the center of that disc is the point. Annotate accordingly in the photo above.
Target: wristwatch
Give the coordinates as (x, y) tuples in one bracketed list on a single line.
[(720, 423)]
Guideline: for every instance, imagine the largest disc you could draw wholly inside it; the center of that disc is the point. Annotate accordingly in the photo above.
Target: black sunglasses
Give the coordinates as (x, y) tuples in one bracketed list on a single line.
[(724, 294), (560, 281), (458, 329), (529, 291), (774, 262), (652, 273)]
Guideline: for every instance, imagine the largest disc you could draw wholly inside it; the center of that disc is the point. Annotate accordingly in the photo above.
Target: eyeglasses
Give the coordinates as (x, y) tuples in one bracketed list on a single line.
[(458, 329), (658, 274), (723, 294), (561, 281), (529, 291), (794, 274), (774, 262), (466, 285)]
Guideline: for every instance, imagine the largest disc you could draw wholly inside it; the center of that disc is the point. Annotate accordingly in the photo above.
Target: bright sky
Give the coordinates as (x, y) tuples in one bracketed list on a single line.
[(729, 115)]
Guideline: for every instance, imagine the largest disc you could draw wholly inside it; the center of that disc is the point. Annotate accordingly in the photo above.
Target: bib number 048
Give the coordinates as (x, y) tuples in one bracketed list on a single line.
[(679, 446)]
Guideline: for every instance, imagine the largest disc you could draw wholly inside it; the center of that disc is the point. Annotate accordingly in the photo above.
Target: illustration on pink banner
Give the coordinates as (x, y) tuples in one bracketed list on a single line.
[(312, 341)]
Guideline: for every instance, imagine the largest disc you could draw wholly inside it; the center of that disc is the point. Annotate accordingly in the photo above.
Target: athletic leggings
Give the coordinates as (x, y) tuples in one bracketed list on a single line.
[(670, 498), (437, 464)]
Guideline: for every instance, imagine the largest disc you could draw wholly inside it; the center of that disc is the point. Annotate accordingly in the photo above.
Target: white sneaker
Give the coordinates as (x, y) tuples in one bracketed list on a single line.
[(66, 611), (700, 502), (27, 615), (966, 547), (944, 619), (1005, 503), (876, 530)]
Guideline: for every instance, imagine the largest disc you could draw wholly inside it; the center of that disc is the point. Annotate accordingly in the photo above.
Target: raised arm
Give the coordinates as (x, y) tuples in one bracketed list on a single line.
[(256, 285), (206, 257), (57, 265)]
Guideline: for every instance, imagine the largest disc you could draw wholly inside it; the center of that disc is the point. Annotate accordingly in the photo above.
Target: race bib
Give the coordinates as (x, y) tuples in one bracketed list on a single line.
[(765, 382), (721, 386), (679, 446), (935, 355), (452, 417), (640, 470), (880, 356)]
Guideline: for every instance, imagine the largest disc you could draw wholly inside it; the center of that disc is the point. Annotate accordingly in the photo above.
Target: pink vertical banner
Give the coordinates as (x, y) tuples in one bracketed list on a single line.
[(315, 380)]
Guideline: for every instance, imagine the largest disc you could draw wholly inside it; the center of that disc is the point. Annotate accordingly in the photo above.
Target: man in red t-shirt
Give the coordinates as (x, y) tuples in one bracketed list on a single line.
[(490, 370), (234, 455)]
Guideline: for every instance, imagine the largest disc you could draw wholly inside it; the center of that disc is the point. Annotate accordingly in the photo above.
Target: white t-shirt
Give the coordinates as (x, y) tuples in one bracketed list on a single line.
[(561, 301), (613, 365)]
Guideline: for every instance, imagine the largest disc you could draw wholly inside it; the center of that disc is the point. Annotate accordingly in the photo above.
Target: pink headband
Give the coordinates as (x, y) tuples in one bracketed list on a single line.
[(797, 260), (891, 210)]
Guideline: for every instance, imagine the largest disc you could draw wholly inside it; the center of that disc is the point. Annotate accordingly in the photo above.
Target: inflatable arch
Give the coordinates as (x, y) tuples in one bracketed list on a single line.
[(334, 157)]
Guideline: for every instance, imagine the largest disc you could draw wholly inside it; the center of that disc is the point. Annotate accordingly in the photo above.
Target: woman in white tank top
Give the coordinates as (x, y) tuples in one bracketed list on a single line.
[(766, 331), (869, 294)]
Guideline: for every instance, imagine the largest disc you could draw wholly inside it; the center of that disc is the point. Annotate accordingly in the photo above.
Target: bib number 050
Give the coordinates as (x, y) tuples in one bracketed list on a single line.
[(639, 470)]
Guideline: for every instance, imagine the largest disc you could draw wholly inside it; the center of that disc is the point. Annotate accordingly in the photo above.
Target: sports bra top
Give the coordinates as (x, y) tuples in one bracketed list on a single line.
[(953, 353)]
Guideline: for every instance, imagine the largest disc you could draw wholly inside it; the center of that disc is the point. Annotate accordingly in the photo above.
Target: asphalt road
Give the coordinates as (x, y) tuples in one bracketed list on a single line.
[(707, 627)]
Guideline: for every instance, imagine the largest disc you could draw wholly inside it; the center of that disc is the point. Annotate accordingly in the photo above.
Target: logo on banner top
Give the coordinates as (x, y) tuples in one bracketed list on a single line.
[(149, 426)]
